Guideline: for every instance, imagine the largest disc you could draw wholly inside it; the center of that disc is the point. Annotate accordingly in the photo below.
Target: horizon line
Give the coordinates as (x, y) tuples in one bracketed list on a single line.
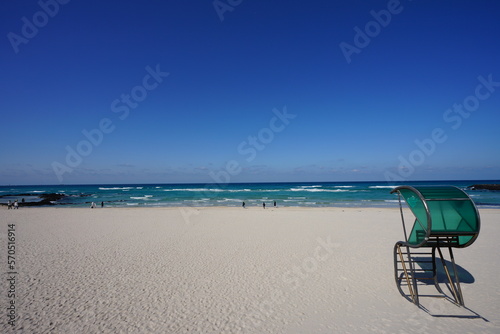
[(235, 183)]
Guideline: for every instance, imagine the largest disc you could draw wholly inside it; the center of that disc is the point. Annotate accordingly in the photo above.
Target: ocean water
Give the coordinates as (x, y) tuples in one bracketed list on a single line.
[(309, 194)]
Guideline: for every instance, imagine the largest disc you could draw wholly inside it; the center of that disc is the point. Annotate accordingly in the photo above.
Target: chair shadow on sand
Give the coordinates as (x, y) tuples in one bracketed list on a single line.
[(436, 307), (464, 275), (444, 217)]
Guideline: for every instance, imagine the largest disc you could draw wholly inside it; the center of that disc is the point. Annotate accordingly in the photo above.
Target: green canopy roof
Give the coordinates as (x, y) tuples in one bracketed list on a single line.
[(440, 212)]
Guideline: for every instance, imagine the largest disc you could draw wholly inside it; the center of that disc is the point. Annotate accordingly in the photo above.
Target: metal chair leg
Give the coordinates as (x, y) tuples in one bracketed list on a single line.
[(454, 284), (412, 284)]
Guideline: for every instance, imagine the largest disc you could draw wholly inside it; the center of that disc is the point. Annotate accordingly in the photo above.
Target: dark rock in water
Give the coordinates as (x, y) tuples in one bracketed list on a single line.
[(484, 187), (46, 199), (51, 197)]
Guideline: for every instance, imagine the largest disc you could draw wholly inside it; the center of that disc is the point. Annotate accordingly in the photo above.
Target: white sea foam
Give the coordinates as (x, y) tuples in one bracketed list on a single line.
[(116, 188), (209, 190), (308, 187), (37, 191), (320, 190), (193, 189), (267, 190), (381, 187), (229, 200), (145, 197)]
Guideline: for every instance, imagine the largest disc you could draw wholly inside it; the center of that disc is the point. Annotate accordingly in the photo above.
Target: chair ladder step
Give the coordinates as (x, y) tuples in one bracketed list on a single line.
[(410, 261)]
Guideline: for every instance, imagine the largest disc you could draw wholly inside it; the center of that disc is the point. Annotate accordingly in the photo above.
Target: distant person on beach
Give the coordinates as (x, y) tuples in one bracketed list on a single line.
[(243, 205), (102, 204), (264, 205), (16, 206), (92, 205), (274, 203), (9, 205)]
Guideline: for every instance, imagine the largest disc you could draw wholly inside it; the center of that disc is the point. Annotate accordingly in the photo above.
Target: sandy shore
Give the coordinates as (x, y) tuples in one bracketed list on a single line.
[(229, 270)]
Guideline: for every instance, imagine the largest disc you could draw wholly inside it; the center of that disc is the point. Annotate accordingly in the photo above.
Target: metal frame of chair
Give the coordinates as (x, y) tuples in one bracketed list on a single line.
[(445, 217)]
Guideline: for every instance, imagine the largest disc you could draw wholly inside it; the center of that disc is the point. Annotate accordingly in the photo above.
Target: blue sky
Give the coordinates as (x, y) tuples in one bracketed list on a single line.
[(248, 91)]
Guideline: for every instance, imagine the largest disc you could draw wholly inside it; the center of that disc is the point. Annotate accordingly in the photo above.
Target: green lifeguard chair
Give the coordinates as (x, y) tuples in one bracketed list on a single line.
[(445, 217)]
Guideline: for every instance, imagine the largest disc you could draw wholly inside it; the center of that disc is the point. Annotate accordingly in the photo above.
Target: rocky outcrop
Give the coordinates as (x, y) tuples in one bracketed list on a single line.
[(484, 187), (46, 199)]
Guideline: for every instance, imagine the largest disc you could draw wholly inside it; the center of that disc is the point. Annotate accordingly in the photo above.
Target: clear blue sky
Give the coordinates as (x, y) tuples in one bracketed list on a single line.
[(352, 104)]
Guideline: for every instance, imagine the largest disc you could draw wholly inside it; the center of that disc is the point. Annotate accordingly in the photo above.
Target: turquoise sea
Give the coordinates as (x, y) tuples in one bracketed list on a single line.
[(307, 194)]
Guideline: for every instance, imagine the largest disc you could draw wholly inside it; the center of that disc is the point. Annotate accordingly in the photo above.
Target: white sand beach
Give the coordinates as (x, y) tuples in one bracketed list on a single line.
[(230, 270)]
